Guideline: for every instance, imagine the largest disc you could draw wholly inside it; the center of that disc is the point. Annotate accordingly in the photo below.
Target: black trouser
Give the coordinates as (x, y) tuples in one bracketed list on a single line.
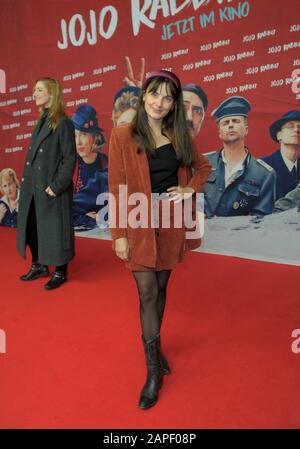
[(31, 232), (32, 237)]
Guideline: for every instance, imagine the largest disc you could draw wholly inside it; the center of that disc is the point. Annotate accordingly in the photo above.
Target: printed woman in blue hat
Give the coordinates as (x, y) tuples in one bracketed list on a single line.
[(91, 177), (153, 159)]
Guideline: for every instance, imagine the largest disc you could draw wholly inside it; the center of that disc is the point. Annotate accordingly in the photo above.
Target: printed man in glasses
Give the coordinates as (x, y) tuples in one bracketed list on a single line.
[(285, 161)]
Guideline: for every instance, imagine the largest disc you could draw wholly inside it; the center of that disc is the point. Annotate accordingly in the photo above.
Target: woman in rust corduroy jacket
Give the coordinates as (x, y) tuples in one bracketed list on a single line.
[(154, 157)]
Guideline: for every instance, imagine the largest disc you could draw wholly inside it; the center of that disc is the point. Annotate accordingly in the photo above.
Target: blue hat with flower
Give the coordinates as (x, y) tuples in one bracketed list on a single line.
[(85, 120)]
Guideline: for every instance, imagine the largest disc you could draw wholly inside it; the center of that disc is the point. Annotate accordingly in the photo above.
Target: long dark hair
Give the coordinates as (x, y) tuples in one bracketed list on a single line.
[(173, 126)]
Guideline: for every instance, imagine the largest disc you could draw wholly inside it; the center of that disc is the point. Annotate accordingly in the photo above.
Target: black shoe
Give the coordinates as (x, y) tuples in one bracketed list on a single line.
[(149, 393), (56, 281), (36, 271)]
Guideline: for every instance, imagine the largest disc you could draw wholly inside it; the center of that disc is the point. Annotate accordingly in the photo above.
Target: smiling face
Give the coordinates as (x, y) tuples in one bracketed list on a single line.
[(9, 188), (41, 95), (233, 129), (158, 102), (84, 143)]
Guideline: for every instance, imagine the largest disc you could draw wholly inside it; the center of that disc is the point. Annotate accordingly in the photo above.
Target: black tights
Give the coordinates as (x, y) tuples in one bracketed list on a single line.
[(32, 238), (152, 289)]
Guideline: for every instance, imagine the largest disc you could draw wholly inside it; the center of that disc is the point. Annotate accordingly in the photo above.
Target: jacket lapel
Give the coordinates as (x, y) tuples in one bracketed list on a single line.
[(143, 168), (41, 132)]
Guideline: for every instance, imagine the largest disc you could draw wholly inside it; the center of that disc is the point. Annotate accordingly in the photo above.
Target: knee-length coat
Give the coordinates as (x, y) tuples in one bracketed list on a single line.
[(128, 166), (50, 161)]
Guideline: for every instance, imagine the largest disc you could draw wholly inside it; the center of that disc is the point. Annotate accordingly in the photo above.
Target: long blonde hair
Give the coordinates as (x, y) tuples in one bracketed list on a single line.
[(57, 108)]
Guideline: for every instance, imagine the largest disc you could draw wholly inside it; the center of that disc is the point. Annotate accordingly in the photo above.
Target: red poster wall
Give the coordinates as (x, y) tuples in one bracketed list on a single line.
[(229, 47)]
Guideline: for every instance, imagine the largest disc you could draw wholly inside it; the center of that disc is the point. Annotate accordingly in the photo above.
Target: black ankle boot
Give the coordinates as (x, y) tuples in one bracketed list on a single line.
[(36, 271), (164, 364), (56, 281), (149, 393)]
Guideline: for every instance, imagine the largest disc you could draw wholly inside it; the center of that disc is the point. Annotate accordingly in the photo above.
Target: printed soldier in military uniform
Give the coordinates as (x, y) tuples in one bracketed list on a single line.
[(239, 183)]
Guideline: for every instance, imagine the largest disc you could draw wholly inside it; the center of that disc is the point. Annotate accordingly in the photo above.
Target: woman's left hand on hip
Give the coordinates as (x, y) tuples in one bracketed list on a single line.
[(178, 193)]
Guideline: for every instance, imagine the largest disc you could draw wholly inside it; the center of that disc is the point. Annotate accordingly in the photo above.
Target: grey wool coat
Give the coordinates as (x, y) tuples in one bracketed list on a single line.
[(50, 162)]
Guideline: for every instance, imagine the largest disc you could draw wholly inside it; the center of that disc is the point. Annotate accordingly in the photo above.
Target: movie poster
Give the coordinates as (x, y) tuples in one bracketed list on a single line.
[(100, 51)]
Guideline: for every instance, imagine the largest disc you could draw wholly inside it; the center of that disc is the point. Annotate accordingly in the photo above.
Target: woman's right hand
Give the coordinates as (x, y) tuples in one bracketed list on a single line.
[(130, 79), (122, 248)]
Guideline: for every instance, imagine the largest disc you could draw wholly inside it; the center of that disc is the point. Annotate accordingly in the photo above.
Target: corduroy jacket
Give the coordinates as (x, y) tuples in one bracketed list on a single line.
[(128, 166)]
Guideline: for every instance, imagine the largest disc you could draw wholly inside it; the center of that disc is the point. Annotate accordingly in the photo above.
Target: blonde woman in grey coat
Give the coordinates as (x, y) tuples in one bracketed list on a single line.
[(45, 206)]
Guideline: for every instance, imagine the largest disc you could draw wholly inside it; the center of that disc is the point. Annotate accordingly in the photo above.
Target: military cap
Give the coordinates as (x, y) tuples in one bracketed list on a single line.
[(232, 106)]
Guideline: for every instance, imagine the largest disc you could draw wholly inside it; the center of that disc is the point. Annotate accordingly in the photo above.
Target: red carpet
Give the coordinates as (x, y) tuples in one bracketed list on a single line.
[(74, 357)]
